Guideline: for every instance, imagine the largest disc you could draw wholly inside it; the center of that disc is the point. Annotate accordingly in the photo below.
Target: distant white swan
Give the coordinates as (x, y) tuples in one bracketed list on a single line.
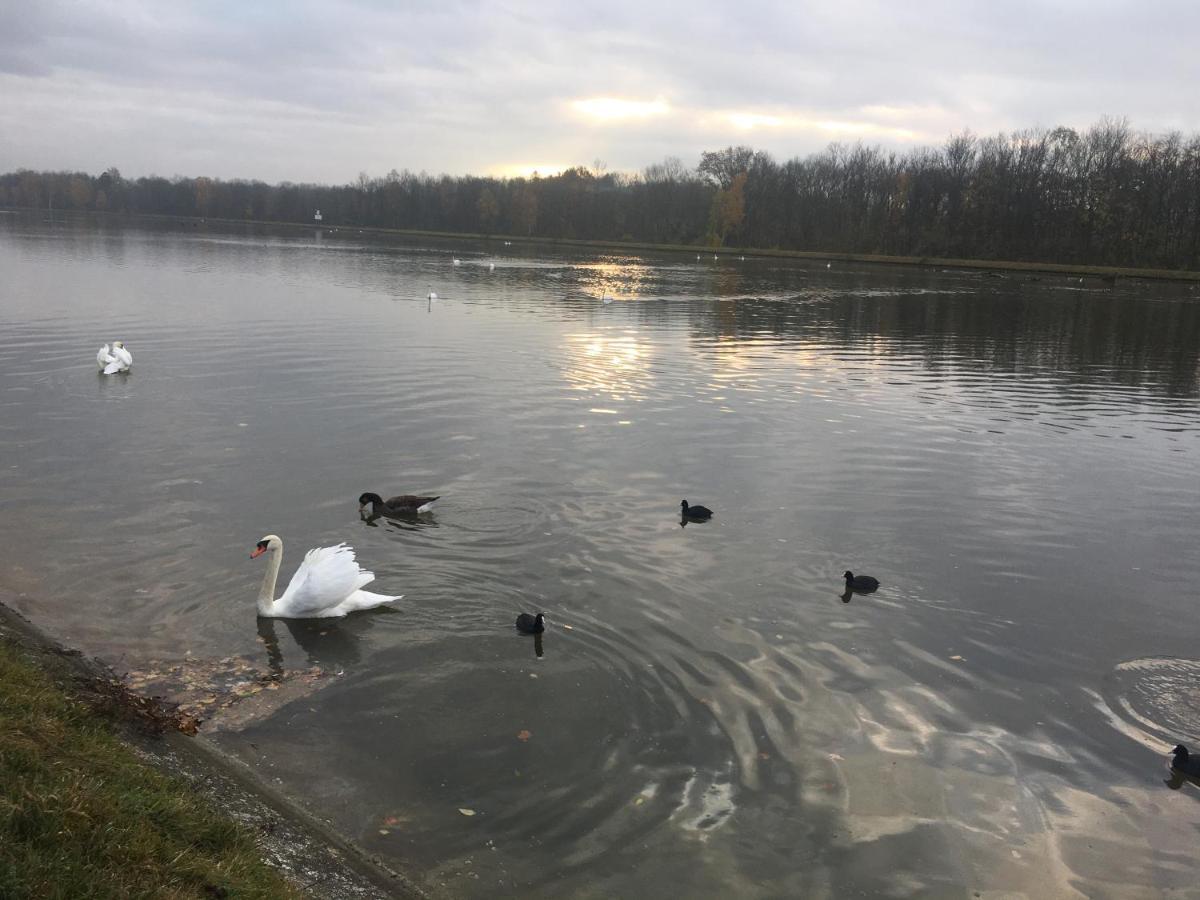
[(116, 360), (491, 267), (432, 295), (458, 262), (328, 583)]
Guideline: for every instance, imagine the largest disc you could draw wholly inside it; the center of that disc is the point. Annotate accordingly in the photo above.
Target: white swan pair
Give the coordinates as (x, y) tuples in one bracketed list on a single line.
[(116, 360), (328, 583)]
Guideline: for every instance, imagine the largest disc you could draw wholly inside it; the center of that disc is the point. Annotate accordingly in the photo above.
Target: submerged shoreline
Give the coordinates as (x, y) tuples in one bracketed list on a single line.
[(308, 854)]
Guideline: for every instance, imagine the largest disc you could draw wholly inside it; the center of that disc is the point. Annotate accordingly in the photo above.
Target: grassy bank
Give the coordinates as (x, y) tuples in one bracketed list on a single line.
[(81, 816)]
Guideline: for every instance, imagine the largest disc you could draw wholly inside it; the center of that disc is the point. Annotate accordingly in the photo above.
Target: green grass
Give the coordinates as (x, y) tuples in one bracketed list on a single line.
[(81, 816)]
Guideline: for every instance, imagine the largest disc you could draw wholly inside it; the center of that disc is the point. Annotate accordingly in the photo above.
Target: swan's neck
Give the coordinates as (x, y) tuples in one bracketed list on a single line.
[(266, 594)]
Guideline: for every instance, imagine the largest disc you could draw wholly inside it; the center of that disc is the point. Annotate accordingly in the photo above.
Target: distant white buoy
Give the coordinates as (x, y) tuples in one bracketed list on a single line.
[(829, 265), (697, 257)]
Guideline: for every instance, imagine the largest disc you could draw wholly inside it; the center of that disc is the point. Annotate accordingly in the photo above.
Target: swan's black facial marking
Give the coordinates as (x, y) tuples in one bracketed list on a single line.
[(259, 549)]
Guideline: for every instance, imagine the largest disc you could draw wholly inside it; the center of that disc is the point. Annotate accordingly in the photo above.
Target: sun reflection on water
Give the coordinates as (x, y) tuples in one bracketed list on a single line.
[(611, 368), (624, 280)]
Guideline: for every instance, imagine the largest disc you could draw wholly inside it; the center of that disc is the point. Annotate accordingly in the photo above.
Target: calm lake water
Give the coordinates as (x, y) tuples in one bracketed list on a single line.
[(1016, 460)]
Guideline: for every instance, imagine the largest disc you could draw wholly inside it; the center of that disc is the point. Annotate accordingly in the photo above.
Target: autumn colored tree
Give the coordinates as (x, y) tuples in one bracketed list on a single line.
[(488, 208), (524, 210), (728, 209)]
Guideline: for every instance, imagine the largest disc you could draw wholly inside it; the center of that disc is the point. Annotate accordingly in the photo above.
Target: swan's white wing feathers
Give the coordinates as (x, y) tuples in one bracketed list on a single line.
[(103, 358), (123, 356), (361, 600), (112, 368), (326, 579)]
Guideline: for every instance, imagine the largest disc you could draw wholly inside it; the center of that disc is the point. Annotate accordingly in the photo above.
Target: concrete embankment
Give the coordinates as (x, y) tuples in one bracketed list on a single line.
[(94, 775)]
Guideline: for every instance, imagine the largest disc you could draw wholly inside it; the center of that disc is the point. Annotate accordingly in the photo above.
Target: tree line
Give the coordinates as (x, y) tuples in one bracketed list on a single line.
[(1107, 195)]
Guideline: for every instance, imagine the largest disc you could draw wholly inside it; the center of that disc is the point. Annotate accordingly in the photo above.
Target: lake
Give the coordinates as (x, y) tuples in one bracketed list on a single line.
[(1015, 458)]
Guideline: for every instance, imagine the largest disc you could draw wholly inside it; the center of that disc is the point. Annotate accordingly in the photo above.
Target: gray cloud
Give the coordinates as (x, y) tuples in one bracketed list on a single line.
[(319, 91)]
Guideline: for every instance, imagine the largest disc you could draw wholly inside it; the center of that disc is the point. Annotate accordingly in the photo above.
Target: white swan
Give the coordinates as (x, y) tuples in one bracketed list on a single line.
[(328, 583), (117, 360)]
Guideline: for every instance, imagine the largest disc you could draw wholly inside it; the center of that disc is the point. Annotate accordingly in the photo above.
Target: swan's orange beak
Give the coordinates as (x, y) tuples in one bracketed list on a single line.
[(258, 551)]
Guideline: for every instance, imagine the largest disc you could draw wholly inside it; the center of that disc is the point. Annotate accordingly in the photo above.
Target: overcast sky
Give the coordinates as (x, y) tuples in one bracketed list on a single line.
[(319, 91)]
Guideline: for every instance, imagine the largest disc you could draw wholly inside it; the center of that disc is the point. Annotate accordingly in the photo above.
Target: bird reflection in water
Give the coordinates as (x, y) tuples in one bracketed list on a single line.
[(1179, 779), (329, 643), (528, 624), (850, 592), (400, 521)]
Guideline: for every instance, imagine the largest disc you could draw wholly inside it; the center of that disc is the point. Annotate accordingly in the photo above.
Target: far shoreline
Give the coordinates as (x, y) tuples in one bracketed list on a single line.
[(1108, 274)]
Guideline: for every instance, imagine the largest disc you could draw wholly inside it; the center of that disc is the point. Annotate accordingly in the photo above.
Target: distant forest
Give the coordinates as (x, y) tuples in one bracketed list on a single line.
[(1105, 196)]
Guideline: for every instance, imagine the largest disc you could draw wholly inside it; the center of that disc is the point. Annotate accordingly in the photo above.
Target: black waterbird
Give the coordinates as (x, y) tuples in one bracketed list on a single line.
[(1183, 762), (529, 624), (860, 582), (400, 505)]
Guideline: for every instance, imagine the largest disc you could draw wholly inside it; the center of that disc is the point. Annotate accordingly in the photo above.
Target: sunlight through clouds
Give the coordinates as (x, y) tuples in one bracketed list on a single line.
[(367, 86), (527, 170), (613, 108), (746, 120)]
